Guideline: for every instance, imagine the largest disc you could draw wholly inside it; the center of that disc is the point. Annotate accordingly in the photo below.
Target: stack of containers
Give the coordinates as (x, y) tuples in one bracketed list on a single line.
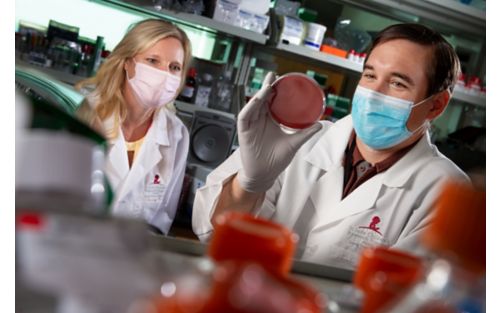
[(247, 14)]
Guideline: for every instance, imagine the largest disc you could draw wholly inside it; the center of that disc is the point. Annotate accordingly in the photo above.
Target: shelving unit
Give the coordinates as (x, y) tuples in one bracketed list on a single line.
[(449, 13), (468, 98), (448, 8), (64, 77), (458, 8), (188, 107), (325, 58), (192, 20)]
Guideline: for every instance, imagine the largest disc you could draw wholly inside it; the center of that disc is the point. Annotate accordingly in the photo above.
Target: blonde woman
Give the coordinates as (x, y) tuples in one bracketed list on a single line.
[(148, 144)]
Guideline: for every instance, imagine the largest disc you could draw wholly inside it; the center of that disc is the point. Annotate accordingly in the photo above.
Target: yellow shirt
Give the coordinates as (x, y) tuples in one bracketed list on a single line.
[(134, 147)]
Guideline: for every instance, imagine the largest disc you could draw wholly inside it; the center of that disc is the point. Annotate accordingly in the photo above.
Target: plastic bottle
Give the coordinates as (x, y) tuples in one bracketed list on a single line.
[(362, 57), (222, 95), (204, 90), (455, 279), (351, 56), (189, 91)]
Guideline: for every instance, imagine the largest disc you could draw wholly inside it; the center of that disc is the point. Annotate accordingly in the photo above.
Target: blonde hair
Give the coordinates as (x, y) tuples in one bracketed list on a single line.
[(110, 77)]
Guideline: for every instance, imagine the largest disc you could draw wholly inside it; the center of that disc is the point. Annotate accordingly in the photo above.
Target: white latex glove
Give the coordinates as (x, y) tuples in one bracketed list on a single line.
[(264, 148)]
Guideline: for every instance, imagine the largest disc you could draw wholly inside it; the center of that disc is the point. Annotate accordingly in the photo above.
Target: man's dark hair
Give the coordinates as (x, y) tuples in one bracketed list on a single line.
[(443, 69)]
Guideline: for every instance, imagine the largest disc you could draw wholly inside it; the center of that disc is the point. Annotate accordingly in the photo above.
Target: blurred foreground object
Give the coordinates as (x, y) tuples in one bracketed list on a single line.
[(59, 160), (455, 279), (251, 277)]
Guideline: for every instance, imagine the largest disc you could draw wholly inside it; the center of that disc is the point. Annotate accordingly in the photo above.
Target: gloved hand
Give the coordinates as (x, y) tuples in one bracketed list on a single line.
[(264, 148)]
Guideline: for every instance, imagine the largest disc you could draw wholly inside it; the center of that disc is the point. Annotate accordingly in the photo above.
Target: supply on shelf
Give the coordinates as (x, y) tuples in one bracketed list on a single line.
[(204, 90), (246, 14), (292, 30), (222, 94), (188, 93), (314, 36)]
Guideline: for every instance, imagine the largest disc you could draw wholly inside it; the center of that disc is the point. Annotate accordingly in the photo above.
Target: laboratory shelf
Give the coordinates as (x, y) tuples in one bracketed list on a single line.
[(64, 77), (325, 58), (459, 8), (191, 20), (450, 13), (188, 107), (468, 98), (298, 50)]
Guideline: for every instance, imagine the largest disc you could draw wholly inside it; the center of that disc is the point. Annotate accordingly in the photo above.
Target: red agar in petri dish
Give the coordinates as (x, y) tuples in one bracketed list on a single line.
[(298, 101)]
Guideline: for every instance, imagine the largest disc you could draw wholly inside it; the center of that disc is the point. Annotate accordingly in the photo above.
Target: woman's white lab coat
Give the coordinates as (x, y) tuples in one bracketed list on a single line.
[(389, 209), (150, 189)]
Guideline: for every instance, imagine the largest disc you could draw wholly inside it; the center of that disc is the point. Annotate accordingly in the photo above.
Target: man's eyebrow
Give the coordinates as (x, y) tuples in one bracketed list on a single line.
[(367, 67), (404, 77)]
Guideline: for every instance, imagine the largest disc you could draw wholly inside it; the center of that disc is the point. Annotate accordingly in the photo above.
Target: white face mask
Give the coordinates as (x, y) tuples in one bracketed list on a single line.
[(153, 87)]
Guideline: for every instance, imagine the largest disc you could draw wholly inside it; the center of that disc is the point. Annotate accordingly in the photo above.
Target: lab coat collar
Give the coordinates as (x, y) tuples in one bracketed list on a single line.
[(399, 173), (150, 154), (328, 153), (117, 163), (329, 149), (160, 123), (159, 128), (326, 194)]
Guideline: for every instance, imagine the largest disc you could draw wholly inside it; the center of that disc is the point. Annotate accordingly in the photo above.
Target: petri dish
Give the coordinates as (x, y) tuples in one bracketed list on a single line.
[(297, 103)]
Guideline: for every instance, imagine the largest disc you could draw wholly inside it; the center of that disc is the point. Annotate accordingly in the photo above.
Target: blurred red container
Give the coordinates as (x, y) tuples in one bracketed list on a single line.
[(241, 236), (384, 273), (249, 288)]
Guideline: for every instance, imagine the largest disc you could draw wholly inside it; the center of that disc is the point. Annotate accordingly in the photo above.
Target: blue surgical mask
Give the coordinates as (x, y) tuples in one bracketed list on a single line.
[(380, 120)]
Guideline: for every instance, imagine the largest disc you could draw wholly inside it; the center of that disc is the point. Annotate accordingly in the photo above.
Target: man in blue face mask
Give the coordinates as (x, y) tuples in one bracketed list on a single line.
[(368, 179)]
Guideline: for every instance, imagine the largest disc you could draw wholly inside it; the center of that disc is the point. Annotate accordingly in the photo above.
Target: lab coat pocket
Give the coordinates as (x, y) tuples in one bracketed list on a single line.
[(354, 241), (153, 197)]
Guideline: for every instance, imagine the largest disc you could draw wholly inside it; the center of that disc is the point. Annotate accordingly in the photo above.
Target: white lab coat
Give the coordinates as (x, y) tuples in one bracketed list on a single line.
[(138, 191), (389, 209)]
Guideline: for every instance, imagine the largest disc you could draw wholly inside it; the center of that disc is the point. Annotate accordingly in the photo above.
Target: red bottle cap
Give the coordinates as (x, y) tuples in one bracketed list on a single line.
[(298, 101), (249, 288), (383, 274), (475, 80), (192, 72), (105, 53), (243, 237)]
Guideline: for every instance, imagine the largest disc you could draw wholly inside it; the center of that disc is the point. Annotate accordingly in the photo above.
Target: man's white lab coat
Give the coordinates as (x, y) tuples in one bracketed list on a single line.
[(391, 208)]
